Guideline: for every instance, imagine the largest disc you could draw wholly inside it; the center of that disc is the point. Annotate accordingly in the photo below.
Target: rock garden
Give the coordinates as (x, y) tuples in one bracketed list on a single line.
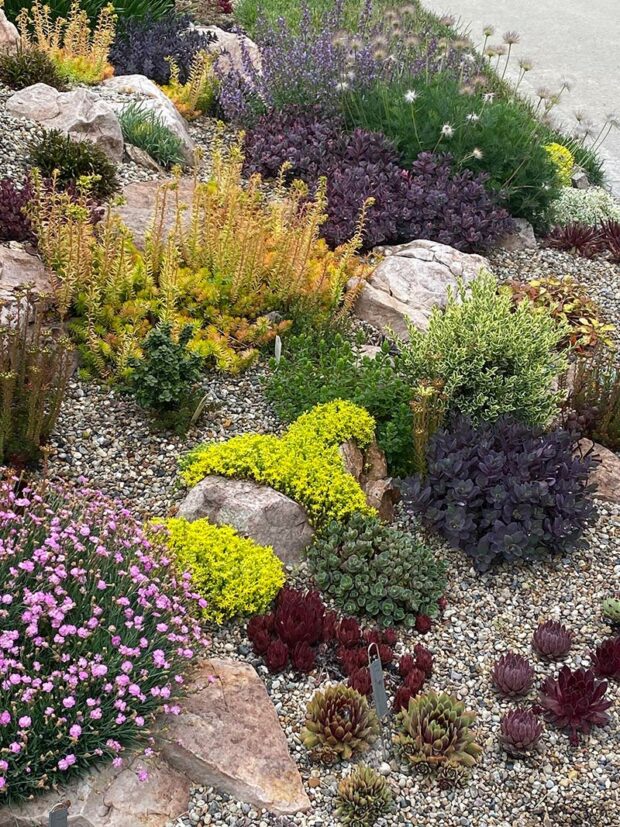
[(309, 423)]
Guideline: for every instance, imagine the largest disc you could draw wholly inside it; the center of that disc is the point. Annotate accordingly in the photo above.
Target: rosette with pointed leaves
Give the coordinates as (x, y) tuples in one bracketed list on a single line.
[(576, 238), (339, 724), (575, 701), (513, 674), (611, 610), (503, 490), (552, 640), (606, 659), (520, 731), (436, 730), (363, 797)]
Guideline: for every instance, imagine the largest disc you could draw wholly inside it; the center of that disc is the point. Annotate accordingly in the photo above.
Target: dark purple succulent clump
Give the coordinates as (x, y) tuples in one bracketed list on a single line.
[(520, 731), (14, 223), (552, 640), (503, 491), (576, 238), (513, 675), (575, 701), (606, 659)]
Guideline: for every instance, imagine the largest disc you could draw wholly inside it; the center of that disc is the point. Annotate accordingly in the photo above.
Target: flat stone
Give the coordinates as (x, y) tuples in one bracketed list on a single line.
[(109, 797), (140, 199), (18, 269), (9, 36), (257, 511), (79, 113), (522, 237), (228, 736), (152, 99), (411, 280), (369, 467), (605, 476)]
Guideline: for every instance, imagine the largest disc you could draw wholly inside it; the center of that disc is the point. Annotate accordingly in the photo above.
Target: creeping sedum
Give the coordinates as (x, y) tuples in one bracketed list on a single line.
[(491, 358), (96, 629), (589, 207), (305, 463), (373, 570), (235, 575), (563, 160)]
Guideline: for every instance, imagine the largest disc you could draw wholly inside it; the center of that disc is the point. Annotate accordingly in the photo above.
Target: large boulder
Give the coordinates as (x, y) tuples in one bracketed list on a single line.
[(605, 476), (19, 269), (230, 48), (9, 36), (411, 280), (257, 511), (139, 202), (79, 113), (152, 99), (109, 797), (228, 736)]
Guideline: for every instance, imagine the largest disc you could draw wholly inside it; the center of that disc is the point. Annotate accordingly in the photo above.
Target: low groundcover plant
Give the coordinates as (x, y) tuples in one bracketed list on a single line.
[(96, 630)]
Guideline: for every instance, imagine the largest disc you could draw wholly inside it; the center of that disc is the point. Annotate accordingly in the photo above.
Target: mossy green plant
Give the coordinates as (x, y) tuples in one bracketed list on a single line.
[(236, 576), (305, 463)]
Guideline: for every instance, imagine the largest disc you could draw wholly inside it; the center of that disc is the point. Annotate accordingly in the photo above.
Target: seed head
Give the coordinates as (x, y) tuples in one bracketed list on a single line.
[(510, 38)]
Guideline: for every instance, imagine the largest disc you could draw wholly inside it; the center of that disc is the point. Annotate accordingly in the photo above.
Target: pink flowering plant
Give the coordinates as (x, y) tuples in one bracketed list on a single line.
[(96, 630)]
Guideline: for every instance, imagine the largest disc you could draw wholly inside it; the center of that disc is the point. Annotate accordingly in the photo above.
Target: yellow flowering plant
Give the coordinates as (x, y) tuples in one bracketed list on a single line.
[(563, 160)]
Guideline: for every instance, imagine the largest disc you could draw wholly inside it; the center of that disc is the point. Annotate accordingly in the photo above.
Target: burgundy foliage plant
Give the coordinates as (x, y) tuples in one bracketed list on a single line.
[(575, 701)]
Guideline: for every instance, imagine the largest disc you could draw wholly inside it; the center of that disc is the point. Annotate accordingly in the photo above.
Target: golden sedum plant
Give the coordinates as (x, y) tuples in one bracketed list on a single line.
[(197, 95), (236, 576), (79, 52), (221, 263)]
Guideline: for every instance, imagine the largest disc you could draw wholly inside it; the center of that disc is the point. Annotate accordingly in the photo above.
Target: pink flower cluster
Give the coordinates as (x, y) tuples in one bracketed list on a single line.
[(96, 631)]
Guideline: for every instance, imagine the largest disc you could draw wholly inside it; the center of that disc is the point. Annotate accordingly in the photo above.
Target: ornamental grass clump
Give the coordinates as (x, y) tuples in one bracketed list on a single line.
[(35, 366), (504, 491), (340, 723), (234, 575), (491, 358), (375, 571), (435, 735), (79, 51), (304, 463), (97, 630), (147, 130)]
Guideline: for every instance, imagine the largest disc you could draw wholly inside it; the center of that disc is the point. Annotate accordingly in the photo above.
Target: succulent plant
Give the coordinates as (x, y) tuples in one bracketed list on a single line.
[(339, 723), (611, 610), (552, 640), (348, 632), (299, 617), (423, 624), (402, 697), (423, 658), (436, 731), (276, 656), (360, 681), (415, 680), (303, 657), (363, 797), (520, 731), (576, 238), (606, 659), (513, 675), (575, 701)]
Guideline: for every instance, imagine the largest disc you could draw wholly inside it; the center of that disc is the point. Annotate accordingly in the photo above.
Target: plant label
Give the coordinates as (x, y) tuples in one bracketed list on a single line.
[(59, 816), (377, 682)]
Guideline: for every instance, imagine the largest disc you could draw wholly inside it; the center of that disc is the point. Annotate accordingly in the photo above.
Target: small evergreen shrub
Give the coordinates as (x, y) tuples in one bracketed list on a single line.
[(375, 571), (591, 207), (305, 463), (145, 46), (491, 358), (503, 491), (27, 67), (67, 161), (234, 575), (146, 129), (166, 379), (322, 366), (97, 631), (14, 223)]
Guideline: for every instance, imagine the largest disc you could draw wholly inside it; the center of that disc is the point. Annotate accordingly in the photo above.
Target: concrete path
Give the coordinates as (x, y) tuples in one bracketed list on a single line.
[(574, 39)]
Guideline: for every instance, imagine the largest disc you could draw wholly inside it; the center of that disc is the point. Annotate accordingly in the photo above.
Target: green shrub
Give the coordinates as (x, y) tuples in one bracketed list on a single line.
[(56, 154), (321, 366), (589, 207), (146, 130), (375, 571), (234, 575), (491, 358), (34, 370), (27, 67), (305, 463), (485, 135), (165, 380), (123, 8)]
